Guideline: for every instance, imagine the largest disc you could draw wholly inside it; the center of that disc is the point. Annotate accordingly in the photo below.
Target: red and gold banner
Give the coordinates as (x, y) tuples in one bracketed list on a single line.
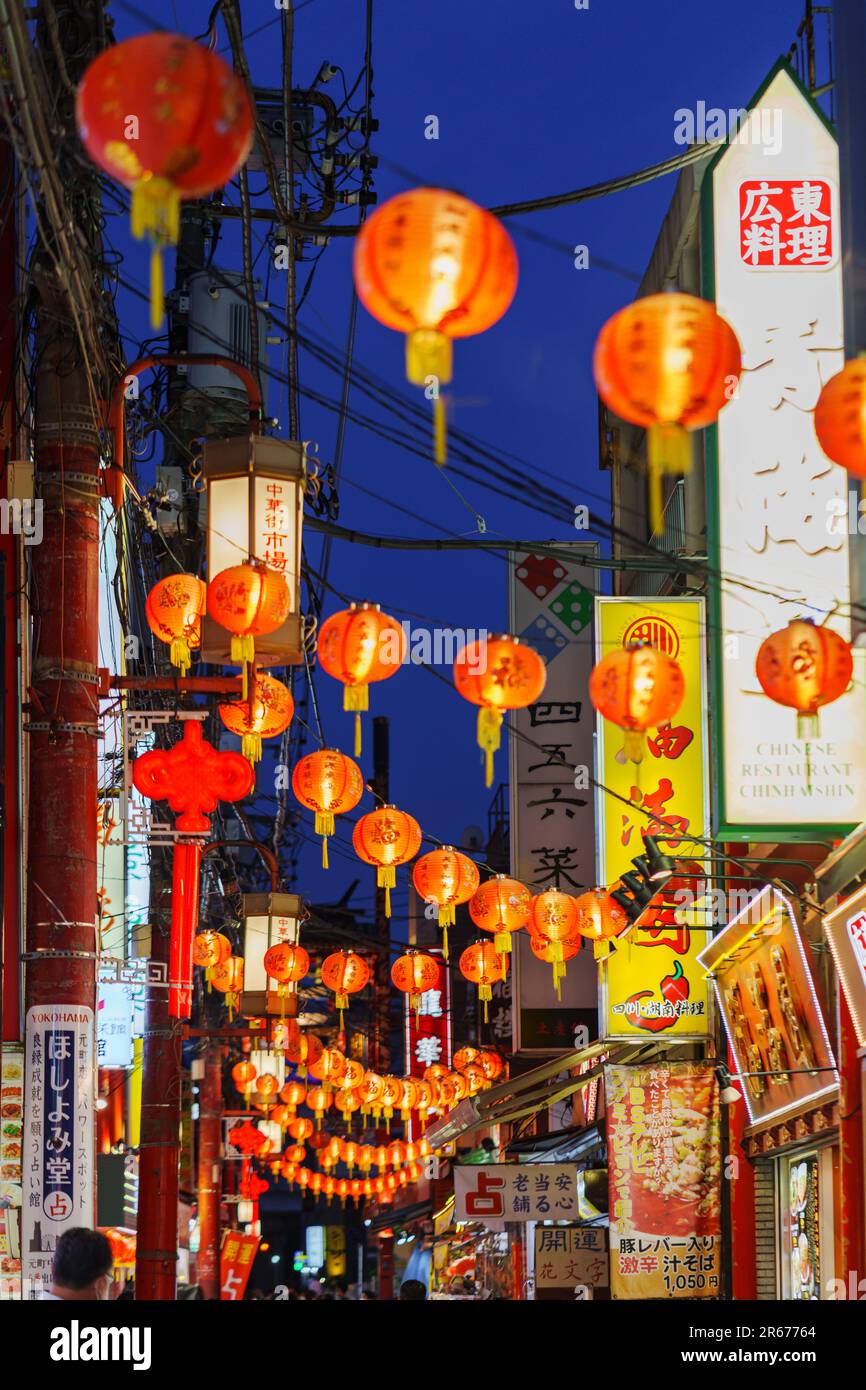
[(664, 1146), (236, 1260)]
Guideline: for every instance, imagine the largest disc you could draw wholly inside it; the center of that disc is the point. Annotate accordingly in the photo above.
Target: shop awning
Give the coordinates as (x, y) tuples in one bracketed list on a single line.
[(535, 1090)]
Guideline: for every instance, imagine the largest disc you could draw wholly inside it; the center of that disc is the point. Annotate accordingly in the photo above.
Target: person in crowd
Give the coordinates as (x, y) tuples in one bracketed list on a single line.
[(412, 1291), (83, 1265)]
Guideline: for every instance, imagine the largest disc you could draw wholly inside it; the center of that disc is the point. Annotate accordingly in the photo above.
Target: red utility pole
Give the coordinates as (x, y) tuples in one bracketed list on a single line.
[(210, 1171)]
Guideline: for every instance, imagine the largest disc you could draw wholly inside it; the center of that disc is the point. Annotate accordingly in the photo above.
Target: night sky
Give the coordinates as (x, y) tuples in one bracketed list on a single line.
[(532, 99)]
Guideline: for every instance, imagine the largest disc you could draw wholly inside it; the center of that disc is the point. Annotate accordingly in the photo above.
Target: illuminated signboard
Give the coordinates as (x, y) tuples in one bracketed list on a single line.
[(845, 930), (777, 506)]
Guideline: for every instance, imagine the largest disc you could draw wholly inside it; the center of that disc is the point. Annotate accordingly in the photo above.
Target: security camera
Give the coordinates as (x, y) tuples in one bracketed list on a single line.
[(213, 291), (326, 72)]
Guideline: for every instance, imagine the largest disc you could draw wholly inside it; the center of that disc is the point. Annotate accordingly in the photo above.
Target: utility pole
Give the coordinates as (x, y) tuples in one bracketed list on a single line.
[(382, 977), (210, 1109), (62, 716)]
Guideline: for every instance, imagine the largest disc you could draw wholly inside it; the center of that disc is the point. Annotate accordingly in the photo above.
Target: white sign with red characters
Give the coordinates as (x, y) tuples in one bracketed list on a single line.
[(428, 1032), (515, 1192), (787, 222)]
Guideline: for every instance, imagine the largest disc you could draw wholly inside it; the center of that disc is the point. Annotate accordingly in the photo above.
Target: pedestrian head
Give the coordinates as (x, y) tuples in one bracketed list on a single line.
[(82, 1265)]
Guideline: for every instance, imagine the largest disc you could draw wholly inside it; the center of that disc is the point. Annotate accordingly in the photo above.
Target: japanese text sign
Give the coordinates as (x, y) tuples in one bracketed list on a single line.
[(651, 982), (772, 1015), (777, 507), (552, 823), (571, 1260), (664, 1163), (428, 1031), (515, 1192), (236, 1260)]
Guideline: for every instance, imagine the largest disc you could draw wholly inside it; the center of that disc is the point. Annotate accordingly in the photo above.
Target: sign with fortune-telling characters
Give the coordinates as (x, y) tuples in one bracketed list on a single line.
[(652, 983), (552, 824)]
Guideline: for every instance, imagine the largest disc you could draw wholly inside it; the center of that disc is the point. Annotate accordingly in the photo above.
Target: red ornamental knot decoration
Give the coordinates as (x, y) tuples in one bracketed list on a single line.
[(192, 777)]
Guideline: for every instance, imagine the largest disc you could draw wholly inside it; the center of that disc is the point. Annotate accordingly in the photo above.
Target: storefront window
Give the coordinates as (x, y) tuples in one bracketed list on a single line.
[(806, 1209)]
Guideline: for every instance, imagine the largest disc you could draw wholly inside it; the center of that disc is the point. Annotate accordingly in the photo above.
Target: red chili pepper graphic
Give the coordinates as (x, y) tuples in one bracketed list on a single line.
[(675, 988)]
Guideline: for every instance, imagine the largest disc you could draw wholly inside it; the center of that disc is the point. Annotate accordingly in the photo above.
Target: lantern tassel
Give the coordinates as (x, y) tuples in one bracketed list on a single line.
[(489, 738), (157, 288), (668, 451), (445, 943), (633, 744), (324, 827), (179, 655), (251, 747), (440, 431), (386, 877), (243, 649)]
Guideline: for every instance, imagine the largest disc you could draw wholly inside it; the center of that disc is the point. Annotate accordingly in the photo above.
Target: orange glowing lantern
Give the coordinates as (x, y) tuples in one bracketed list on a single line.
[(303, 1050), (453, 1087), (228, 978), (392, 1094), (435, 1072), (483, 966), (287, 964), (474, 1076), (244, 1075), (293, 1094), (423, 1099), (353, 1075), (267, 1085), (804, 667), (840, 417), (265, 713), (347, 1101), (554, 917), (370, 1092), (193, 129), (301, 1128), (491, 1063), (174, 610), (366, 1155), (328, 783), (464, 1056), (319, 1100), (210, 949), (501, 906), (446, 878), (670, 363), (599, 916), (249, 601), (329, 1068), (408, 1098), (358, 646), (435, 266), (396, 1153), (413, 974), (636, 687), (497, 673), (345, 973), (386, 838)]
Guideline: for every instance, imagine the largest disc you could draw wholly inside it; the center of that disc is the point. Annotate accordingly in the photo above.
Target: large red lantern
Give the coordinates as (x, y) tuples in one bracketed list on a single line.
[(303, 1050), (447, 878), (266, 712), (497, 673), (670, 363), (345, 972), (413, 974), (804, 667), (554, 917), (358, 646), (328, 783), (329, 1068), (228, 978), (435, 266), (250, 601), (209, 949), (174, 610), (287, 964), (169, 120), (637, 688), (482, 965), (386, 838), (501, 906)]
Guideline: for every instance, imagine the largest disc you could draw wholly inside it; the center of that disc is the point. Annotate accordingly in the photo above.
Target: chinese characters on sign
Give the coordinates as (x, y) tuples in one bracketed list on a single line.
[(786, 222), (58, 1166), (236, 1260), (496, 1192), (652, 982), (775, 529), (845, 929), (428, 1031), (552, 827), (571, 1262), (664, 1161)]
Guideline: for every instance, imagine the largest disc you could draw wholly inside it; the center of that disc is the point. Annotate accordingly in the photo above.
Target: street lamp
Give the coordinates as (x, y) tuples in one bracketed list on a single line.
[(255, 505), (269, 918)]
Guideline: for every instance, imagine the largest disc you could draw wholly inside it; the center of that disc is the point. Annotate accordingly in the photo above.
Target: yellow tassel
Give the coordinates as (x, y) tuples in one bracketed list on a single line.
[(388, 901), (180, 655), (157, 290), (633, 744), (251, 747), (357, 735), (429, 358), (668, 451), (325, 864), (489, 738), (445, 942), (440, 431), (243, 649), (386, 877), (502, 942)]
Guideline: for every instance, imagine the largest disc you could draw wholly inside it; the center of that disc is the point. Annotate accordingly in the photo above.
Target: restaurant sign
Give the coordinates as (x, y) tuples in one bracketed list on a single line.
[(845, 930)]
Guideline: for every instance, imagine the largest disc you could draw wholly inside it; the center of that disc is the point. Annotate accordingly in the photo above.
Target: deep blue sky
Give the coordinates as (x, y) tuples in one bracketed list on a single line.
[(532, 98)]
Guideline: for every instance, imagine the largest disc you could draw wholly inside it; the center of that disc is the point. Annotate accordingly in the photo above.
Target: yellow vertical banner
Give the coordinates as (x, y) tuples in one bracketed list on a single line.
[(652, 982)]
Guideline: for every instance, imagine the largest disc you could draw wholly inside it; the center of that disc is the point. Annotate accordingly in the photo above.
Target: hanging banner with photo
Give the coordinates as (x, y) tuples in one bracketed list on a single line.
[(664, 1157), (652, 982)]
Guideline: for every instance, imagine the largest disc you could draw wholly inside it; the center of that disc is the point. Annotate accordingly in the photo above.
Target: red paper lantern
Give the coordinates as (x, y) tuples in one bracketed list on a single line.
[(249, 601), (358, 646), (805, 667), (301, 1128), (386, 838), (497, 673), (554, 917), (293, 1094), (464, 1056), (483, 966), (330, 784), (501, 906), (637, 688), (266, 712), (209, 949), (174, 610), (287, 964), (228, 978), (599, 916), (491, 1063), (329, 1067), (168, 119), (303, 1050), (447, 878), (840, 418), (345, 973), (413, 974)]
